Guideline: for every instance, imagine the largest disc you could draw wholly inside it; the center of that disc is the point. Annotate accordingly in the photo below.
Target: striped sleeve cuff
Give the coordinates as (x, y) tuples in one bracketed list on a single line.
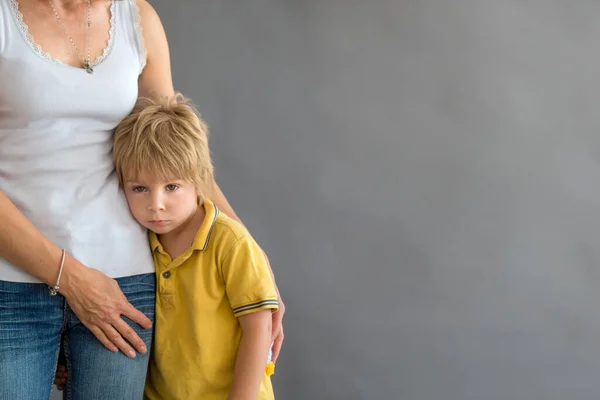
[(256, 306)]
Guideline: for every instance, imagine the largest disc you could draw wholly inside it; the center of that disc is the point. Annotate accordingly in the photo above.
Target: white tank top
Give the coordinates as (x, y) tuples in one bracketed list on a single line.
[(56, 131)]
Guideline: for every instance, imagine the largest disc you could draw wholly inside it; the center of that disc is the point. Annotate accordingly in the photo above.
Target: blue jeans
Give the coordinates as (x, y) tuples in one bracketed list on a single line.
[(32, 325)]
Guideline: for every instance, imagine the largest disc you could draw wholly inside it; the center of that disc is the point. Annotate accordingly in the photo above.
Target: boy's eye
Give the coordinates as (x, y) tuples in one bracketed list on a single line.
[(171, 187), (138, 189)]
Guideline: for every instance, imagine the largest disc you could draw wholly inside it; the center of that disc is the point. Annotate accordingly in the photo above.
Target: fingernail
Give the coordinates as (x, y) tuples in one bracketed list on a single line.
[(131, 353), (144, 350)]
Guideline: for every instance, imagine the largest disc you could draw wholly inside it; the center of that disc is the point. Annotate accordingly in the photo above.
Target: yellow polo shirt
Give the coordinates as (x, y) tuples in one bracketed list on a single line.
[(199, 296)]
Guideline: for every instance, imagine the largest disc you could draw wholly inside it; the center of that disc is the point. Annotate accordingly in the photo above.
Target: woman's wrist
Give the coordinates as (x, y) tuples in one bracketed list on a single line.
[(72, 272), (55, 288), (272, 274)]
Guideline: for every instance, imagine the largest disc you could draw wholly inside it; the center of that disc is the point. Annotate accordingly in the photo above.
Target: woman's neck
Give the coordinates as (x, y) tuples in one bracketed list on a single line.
[(68, 5)]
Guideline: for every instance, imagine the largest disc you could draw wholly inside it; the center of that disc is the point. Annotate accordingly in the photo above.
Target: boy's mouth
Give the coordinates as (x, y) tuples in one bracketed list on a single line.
[(158, 222)]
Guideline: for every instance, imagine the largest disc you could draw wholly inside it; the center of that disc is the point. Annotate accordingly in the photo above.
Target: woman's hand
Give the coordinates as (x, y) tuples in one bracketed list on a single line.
[(61, 377), (277, 326), (277, 322), (99, 304)]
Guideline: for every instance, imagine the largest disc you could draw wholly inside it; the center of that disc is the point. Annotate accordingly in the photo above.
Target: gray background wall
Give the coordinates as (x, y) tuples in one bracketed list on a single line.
[(424, 176)]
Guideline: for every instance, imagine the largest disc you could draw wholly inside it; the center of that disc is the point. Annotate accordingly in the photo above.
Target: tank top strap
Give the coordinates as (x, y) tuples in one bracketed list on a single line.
[(4, 23)]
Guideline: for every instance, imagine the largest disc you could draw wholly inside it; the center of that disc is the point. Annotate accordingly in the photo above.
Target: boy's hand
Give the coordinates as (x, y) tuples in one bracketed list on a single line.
[(60, 379)]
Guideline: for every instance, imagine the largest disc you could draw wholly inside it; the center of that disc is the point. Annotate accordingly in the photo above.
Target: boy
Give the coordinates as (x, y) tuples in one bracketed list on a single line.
[(214, 291)]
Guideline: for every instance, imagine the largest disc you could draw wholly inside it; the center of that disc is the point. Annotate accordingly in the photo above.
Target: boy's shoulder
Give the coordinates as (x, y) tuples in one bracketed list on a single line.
[(226, 232), (229, 228)]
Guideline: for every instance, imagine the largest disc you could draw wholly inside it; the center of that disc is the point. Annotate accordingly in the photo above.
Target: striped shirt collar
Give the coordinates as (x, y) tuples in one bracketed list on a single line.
[(202, 236)]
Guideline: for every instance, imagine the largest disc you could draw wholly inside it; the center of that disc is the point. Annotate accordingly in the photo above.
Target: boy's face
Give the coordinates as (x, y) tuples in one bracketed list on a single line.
[(158, 204)]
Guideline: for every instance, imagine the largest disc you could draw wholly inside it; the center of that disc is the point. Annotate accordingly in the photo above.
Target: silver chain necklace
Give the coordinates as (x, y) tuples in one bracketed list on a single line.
[(87, 65)]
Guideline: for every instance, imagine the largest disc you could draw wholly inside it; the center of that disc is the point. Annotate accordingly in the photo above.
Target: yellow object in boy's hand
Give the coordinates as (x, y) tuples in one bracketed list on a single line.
[(270, 369)]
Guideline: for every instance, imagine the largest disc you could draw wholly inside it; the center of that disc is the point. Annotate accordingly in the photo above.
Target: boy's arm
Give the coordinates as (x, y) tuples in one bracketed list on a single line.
[(220, 200), (252, 355), (253, 299)]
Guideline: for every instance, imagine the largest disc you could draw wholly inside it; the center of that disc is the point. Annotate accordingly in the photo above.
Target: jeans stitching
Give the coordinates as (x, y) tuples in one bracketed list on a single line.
[(68, 362), (68, 386), (62, 329)]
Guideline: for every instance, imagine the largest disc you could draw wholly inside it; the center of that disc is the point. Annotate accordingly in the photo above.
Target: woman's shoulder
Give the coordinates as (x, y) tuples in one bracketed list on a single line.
[(156, 77), (145, 7), (148, 17)]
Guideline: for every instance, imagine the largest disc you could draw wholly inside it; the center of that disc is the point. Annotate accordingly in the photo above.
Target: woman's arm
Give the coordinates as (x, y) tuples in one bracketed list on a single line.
[(95, 298), (156, 80), (24, 246)]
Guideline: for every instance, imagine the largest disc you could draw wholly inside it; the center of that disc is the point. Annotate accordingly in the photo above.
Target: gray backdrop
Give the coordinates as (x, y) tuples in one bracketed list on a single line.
[(423, 175)]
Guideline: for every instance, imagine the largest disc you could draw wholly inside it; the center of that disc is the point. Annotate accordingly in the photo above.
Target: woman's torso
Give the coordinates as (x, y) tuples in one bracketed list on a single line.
[(56, 130)]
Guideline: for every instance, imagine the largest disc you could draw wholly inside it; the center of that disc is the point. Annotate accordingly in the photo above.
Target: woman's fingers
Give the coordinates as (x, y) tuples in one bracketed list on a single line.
[(116, 339), (130, 335), (60, 378), (99, 333), (277, 346), (136, 316), (277, 333)]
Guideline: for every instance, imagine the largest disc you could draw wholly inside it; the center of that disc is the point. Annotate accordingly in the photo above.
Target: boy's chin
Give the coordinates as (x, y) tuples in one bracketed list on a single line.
[(159, 230)]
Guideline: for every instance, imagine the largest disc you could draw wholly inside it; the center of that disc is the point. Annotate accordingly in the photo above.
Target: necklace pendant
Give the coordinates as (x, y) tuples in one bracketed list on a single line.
[(88, 68)]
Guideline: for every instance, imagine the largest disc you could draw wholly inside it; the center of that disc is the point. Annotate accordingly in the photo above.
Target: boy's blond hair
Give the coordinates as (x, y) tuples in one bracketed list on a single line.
[(166, 137)]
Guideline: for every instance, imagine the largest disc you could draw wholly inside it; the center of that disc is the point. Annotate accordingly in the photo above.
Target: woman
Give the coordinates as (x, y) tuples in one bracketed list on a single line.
[(70, 70)]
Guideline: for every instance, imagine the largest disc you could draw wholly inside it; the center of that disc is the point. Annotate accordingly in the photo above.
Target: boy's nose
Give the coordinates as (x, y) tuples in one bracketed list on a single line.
[(156, 207), (157, 204)]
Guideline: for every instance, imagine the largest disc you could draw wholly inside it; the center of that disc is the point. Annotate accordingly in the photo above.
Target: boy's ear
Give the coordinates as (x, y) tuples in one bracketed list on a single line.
[(200, 192)]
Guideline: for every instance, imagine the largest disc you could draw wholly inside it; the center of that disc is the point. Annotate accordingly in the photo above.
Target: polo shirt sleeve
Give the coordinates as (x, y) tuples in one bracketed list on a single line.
[(248, 281)]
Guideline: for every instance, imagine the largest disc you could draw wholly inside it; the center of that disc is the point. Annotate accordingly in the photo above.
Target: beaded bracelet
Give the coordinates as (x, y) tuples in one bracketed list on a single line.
[(54, 289)]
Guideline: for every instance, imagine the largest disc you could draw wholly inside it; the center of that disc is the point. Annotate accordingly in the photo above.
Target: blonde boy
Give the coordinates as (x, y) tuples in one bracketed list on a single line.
[(214, 292)]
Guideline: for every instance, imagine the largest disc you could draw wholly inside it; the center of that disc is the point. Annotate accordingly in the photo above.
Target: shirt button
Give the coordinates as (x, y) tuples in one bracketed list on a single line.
[(166, 275)]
